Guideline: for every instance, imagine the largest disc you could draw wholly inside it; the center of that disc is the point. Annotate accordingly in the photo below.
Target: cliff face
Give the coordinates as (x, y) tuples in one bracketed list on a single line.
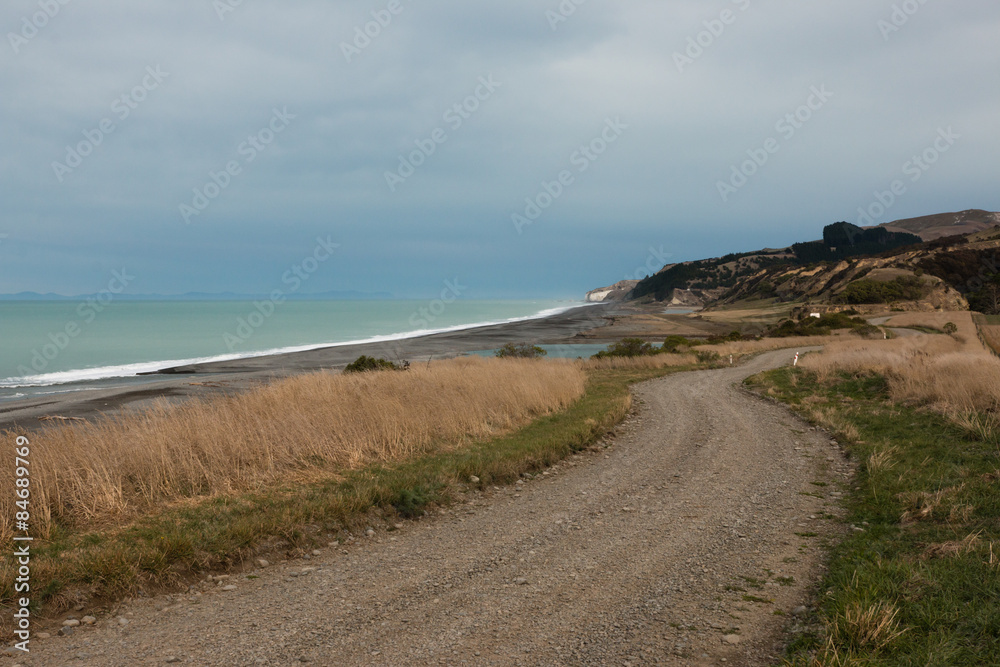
[(617, 292)]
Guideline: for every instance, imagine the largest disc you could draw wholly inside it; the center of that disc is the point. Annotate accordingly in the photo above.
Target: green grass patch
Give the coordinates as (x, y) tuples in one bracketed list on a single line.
[(166, 549), (919, 583)]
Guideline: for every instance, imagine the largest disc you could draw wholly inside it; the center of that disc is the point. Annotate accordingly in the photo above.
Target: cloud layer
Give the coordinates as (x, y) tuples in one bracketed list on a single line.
[(723, 142)]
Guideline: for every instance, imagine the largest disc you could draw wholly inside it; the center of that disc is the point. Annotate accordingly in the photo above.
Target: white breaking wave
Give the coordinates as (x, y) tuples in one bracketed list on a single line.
[(132, 370)]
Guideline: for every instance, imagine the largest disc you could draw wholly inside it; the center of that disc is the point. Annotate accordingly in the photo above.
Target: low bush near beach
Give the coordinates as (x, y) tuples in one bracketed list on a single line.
[(364, 364), (520, 351), (627, 347)]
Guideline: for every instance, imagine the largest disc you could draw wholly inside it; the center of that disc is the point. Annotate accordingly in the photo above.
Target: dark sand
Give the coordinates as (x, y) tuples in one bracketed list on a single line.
[(199, 380)]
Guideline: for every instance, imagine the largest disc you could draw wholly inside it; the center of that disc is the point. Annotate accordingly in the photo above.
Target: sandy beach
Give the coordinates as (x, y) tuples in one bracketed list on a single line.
[(199, 380)]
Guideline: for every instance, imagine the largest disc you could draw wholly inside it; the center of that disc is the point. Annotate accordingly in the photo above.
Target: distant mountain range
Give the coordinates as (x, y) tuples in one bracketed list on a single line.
[(203, 296)]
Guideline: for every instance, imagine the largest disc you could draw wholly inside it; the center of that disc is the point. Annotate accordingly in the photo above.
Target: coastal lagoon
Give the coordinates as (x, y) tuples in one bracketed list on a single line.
[(568, 351)]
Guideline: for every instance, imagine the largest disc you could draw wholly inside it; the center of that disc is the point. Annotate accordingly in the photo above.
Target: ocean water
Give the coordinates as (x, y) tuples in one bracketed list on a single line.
[(69, 345)]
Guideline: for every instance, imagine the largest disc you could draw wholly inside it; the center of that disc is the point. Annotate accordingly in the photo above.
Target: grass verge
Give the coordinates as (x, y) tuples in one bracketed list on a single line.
[(167, 548), (917, 582)]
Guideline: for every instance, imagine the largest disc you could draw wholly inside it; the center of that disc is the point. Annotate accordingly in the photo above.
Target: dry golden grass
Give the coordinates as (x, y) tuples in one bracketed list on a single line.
[(953, 374), (921, 504), (953, 548), (991, 336), (936, 320), (635, 363), (745, 347), (302, 428), (882, 460)]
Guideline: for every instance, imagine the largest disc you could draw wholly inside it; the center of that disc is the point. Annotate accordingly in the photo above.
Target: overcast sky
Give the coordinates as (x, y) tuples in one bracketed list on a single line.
[(641, 107)]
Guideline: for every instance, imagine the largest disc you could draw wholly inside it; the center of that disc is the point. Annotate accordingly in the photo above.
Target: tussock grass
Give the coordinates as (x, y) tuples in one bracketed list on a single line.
[(300, 429), (871, 627)]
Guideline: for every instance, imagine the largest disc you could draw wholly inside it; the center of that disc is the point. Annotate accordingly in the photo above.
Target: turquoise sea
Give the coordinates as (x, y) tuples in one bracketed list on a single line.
[(68, 345)]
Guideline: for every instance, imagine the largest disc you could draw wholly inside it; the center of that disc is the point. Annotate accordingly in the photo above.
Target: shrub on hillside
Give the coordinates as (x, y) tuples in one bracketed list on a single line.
[(731, 337), (816, 326), (706, 356), (671, 343), (869, 331), (903, 288)]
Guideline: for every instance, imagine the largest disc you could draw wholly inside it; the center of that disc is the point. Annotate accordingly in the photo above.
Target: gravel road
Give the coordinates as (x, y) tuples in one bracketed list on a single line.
[(677, 542)]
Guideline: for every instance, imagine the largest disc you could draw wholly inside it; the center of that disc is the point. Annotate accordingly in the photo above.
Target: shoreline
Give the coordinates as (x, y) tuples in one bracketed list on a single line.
[(180, 383)]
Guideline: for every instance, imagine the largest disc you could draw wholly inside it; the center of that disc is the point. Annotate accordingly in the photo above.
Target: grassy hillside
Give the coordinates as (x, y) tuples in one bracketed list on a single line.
[(931, 227), (850, 267)]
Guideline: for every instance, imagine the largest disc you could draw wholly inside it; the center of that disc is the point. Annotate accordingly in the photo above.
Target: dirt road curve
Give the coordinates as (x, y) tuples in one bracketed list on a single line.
[(631, 555)]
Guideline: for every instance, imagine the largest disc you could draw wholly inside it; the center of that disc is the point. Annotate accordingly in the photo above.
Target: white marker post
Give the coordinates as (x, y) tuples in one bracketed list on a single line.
[(796, 361)]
